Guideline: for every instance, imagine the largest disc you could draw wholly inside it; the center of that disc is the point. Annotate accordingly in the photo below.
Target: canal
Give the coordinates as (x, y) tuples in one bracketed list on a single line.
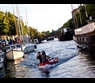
[(72, 63)]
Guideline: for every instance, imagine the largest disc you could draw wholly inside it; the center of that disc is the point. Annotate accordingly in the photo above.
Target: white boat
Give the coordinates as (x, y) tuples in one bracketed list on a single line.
[(16, 51), (43, 41), (36, 41), (13, 52), (28, 47), (1, 58)]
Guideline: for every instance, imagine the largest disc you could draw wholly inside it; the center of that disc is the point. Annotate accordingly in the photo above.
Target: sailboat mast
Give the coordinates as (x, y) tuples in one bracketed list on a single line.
[(19, 24), (27, 21), (7, 17), (80, 15), (18, 15), (15, 20), (20, 21), (85, 10), (73, 16)]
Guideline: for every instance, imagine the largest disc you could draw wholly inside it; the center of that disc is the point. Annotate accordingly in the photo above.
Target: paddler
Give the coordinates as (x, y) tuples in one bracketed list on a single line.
[(44, 58), (39, 57)]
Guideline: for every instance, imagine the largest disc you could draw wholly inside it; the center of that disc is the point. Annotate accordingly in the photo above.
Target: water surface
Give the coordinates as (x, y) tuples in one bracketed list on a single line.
[(72, 63)]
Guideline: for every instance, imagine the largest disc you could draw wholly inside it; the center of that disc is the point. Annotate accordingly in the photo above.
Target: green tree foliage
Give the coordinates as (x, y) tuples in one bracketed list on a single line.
[(2, 24), (9, 26), (25, 30), (68, 24), (33, 32), (90, 11)]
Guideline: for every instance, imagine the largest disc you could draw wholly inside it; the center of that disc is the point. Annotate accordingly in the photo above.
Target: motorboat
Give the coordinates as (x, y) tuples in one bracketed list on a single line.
[(20, 48), (43, 41), (29, 47), (36, 41), (13, 52)]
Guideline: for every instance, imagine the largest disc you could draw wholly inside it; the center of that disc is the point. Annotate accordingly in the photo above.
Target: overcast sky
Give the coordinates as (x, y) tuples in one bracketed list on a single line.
[(43, 17)]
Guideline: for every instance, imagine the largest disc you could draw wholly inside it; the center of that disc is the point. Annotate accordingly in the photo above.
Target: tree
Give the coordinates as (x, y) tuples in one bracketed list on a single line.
[(2, 23), (9, 24), (25, 30)]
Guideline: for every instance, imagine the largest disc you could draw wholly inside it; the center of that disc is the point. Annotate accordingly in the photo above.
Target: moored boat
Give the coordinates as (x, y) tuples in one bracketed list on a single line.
[(36, 41), (66, 34), (14, 53), (84, 34), (28, 47)]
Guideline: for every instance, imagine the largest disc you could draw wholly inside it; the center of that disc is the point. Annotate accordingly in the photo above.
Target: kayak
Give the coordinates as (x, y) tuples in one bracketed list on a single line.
[(53, 61)]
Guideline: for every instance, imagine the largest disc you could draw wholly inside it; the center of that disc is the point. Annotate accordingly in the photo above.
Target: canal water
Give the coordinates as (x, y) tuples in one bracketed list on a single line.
[(72, 63)]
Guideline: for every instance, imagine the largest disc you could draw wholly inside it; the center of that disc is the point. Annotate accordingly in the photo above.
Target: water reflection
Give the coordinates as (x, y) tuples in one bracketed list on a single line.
[(16, 61), (2, 72), (12, 69), (89, 56)]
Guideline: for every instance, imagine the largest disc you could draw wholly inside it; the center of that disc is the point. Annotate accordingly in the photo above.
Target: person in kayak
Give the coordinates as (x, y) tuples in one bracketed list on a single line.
[(39, 57), (52, 59), (48, 58), (44, 58)]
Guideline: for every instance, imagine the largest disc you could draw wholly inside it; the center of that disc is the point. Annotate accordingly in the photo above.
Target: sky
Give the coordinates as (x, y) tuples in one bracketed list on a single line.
[(43, 17)]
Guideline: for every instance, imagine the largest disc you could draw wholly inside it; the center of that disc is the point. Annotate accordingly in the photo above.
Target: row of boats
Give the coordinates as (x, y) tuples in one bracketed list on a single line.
[(16, 51)]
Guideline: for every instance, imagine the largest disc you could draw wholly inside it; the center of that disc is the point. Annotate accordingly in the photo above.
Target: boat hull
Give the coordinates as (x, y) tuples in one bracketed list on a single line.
[(87, 40), (85, 36), (25, 48), (14, 54), (28, 48), (65, 37)]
